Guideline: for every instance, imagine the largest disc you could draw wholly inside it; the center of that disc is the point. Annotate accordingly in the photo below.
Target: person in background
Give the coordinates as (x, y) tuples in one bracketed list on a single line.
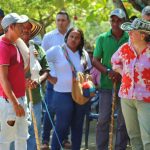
[(53, 38), (1, 17), (146, 13), (13, 110), (106, 45), (132, 61), (30, 30)]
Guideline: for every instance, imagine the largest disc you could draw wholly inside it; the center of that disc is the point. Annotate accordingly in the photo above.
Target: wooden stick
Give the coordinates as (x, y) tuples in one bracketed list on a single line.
[(114, 99), (34, 122)]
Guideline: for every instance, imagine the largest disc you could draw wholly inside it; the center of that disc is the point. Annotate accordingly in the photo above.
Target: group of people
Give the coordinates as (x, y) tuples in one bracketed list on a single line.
[(119, 57)]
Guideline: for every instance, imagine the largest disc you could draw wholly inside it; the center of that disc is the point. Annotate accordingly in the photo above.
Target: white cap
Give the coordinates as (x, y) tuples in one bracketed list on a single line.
[(13, 18), (119, 13)]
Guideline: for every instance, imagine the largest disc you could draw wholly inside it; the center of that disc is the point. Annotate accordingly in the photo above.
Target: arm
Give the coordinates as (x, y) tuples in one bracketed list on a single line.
[(51, 79), (114, 76), (98, 65), (9, 92)]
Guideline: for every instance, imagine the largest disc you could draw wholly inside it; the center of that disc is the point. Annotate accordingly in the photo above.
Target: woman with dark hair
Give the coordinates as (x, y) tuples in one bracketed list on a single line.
[(68, 113), (132, 61)]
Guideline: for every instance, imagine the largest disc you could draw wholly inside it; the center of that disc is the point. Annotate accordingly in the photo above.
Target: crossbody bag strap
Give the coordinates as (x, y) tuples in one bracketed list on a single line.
[(74, 71)]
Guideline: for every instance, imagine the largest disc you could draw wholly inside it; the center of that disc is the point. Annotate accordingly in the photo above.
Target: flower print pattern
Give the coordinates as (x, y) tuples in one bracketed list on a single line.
[(136, 75), (126, 84), (135, 72), (127, 54)]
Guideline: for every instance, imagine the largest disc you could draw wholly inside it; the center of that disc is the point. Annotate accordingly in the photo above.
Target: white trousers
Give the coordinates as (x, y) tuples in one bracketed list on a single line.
[(18, 132)]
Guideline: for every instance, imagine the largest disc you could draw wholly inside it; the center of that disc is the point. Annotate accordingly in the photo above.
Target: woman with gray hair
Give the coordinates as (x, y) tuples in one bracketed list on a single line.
[(132, 61)]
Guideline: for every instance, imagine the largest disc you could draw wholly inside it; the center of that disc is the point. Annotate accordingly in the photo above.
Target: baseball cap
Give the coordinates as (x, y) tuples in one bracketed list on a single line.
[(13, 18), (1, 13), (119, 13), (146, 11)]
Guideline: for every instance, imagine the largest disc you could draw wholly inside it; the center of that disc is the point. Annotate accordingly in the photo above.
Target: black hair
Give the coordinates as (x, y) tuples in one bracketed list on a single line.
[(63, 13), (132, 18), (80, 47)]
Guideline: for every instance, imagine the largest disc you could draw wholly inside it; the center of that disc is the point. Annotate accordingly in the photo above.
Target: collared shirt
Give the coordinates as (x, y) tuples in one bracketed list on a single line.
[(63, 68), (106, 46), (51, 39), (11, 57), (135, 72)]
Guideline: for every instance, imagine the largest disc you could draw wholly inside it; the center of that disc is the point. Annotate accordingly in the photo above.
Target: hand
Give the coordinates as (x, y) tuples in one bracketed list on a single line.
[(19, 110), (114, 76), (52, 80), (31, 83)]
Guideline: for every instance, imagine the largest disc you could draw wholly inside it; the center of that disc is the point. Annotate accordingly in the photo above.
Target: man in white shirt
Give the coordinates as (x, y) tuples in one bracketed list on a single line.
[(53, 38)]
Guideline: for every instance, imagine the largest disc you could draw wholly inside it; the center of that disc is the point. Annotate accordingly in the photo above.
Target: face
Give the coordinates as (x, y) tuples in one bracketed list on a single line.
[(16, 30), (62, 22), (115, 23), (74, 40), (136, 36), (26, 32), (146, 17)]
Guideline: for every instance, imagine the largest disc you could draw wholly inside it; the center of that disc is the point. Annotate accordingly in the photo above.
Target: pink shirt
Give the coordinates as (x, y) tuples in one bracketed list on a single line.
[(135, 72), (9, 55)]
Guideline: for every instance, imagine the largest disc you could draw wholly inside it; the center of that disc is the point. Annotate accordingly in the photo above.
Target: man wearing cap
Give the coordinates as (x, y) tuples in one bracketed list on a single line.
[(30, 30), (106, 44), (13, 110), (146, 13), (1, 17)]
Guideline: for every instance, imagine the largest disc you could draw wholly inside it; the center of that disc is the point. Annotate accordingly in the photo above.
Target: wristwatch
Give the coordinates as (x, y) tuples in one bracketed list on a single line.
[(108, 70)]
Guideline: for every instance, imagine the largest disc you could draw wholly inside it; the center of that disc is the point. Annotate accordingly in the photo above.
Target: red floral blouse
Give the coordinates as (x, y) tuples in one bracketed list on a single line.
[(135, 72)]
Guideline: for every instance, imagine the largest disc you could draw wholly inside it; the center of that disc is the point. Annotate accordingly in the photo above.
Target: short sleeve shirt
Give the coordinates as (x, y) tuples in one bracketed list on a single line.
[(11, 57), (106, 46)]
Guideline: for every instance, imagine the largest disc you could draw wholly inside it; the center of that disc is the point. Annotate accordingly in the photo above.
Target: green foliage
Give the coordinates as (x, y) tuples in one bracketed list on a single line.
[(92, 16)]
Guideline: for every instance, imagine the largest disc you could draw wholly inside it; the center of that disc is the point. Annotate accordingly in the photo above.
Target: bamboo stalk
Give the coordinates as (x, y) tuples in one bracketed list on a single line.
[(34, 122), (114, 99)]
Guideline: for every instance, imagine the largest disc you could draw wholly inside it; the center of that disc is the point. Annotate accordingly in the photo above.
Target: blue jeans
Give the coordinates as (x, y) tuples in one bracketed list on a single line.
[(102, 133), (31, 142), (47, 126), (68, 114)]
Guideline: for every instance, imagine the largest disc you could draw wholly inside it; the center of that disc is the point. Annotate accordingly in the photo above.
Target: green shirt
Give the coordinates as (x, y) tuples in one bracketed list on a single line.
[(36, 94), (106, 46)]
